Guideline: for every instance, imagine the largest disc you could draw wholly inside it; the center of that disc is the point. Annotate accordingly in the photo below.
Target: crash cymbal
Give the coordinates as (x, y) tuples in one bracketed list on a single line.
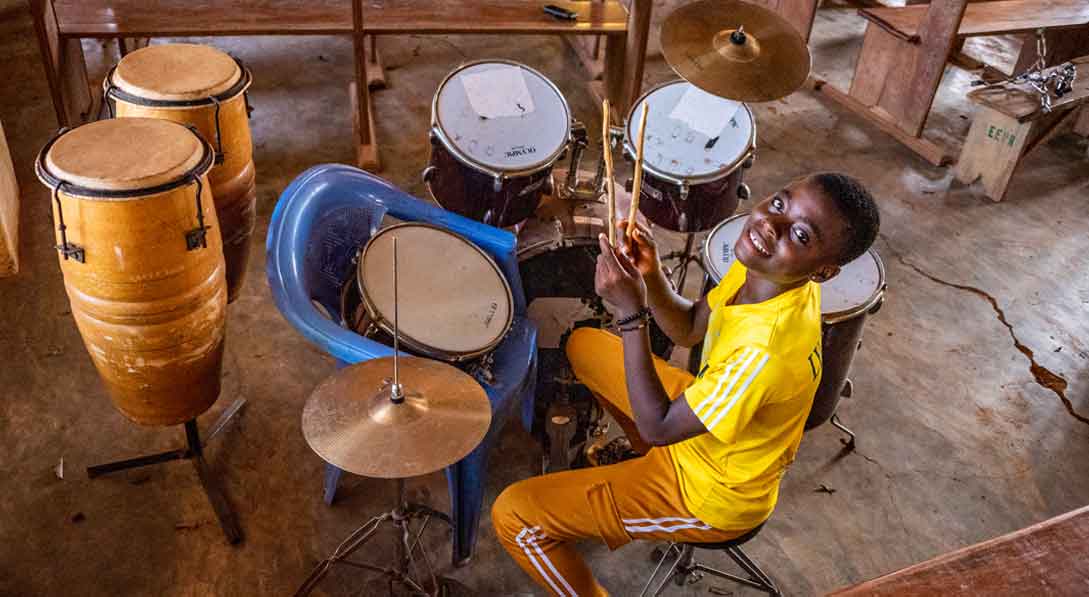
[(352, 424), (735, 50)]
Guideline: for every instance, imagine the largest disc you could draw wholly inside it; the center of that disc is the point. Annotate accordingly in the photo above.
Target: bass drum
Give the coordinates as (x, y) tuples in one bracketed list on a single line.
[(557, 255)]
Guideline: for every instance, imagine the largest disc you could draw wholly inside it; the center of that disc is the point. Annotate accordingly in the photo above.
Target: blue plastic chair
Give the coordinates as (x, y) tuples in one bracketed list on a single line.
[(321, 218)]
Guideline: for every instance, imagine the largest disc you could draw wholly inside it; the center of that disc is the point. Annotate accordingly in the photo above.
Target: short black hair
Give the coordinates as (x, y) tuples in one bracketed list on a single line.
[(858, 208)]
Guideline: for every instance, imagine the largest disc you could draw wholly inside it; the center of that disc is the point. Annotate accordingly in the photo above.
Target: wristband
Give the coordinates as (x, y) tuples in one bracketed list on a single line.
[(643, 313)]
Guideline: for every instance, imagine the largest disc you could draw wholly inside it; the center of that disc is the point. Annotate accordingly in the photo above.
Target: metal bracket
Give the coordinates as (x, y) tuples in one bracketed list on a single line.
[(219, 135), (67, 249), (197, 238)]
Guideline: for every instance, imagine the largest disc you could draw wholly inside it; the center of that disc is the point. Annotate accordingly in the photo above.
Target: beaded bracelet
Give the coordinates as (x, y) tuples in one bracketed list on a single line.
[(633, 328), (643, 313)]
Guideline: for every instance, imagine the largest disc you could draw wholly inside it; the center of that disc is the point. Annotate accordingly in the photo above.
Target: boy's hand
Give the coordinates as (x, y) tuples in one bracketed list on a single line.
[(618, 281), (640, 248)]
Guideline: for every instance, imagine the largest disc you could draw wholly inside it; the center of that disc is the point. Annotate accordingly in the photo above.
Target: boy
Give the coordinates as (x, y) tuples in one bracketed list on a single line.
[(721, 440)]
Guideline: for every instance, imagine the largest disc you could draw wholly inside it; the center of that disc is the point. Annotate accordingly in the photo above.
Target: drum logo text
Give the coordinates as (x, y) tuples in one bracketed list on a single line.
[(521, 150), (492, 308)]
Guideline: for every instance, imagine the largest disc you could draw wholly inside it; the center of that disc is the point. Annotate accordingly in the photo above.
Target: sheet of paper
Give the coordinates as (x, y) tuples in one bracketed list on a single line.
[(703, 112), (498, 92)]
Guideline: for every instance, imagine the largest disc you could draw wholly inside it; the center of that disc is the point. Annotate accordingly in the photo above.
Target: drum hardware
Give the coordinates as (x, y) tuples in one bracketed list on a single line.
[(193, 451), (197, 238), (1039, 77), (66, 248), (728, 47), (438, 418)]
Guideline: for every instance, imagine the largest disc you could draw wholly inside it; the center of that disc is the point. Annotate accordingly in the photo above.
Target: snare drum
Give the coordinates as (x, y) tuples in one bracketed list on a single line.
[(696, 149), (454, 303), (204, 87), (846, 301), (497, 127)]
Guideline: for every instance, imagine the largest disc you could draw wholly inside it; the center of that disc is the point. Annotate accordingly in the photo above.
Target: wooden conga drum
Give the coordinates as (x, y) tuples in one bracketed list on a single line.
[(206, 88), (142, 260)]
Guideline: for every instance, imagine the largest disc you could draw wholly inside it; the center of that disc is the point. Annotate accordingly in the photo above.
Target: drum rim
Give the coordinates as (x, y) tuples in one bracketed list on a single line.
[(112, 91), (440, 134), (414, 343), (629, 147), (54, 182), (831, 318)]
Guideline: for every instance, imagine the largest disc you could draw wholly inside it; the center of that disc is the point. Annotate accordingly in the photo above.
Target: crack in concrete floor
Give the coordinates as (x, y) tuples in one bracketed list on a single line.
[(1044, 377)]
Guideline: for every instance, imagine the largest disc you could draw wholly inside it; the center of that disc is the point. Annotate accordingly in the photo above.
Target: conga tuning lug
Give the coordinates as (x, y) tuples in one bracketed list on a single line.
[(194, 239), (72, 251)]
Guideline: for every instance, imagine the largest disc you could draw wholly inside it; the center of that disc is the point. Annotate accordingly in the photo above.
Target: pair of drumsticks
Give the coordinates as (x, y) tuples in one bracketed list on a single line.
[(637, 180)]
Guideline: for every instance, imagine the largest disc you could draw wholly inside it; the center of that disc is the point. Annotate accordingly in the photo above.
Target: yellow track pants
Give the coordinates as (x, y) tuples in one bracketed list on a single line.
[(539, 519)]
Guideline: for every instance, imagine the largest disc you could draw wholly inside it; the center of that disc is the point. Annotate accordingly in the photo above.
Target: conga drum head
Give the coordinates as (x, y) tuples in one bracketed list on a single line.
[(126, 154), (691, 136), (454, 302), (857, 288), (176, 72), (501, 117)]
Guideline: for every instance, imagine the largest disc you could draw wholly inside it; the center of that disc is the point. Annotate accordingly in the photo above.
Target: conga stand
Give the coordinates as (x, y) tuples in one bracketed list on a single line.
[(194, 451)]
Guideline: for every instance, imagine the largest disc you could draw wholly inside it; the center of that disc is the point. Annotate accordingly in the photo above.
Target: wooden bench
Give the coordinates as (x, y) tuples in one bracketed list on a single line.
[(61, 24), (1048, 558), (1008, 124), (905, 50)]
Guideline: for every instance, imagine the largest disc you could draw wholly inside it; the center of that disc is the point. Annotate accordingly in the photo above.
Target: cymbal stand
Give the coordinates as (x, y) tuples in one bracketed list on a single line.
[(194, 451), (403, 514), (405, 573), (683, 258)]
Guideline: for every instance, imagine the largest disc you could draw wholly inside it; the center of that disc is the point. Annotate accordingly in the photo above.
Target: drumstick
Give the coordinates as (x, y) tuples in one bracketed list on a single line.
[(637, 183), (607, 155)]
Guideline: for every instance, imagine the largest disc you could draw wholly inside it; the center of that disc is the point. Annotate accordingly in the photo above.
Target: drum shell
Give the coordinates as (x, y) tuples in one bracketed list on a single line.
[(152, 314), (706, 204), (233, 182), (839, 343), (467, 191)]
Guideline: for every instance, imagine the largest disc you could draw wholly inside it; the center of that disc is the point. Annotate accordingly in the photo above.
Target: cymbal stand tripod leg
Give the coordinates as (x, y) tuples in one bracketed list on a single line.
[(194, 451)]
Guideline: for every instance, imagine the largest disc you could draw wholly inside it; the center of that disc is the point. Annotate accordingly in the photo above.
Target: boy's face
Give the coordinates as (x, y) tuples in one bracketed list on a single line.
[(795, 234)]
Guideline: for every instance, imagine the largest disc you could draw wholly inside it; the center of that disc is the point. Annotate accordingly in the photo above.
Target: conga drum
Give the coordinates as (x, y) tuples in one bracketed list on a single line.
[(142, 259), (846, 301), (206, 88)]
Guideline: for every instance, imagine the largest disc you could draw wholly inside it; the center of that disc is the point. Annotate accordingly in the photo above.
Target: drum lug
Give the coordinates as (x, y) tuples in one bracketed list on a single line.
[(628, 185), (744, 192), (748, 162), (684, 191), (197, 238), (67, 249), (877, 306), (497, 184), (682, 223), (428, 173), (549, 186), (219, 155), (433, 137), (848, 389)]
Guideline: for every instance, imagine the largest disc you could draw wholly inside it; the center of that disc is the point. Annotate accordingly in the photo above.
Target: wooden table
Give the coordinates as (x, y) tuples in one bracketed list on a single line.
[(1049, 558), (61, 24)]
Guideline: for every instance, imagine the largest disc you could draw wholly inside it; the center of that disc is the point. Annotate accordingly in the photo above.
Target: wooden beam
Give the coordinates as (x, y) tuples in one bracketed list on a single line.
[(362, 110), (9, 211), (376, 73), (630, 85), (928, 150)]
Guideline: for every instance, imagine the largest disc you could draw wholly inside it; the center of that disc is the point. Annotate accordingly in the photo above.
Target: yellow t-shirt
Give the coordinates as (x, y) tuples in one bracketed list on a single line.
[(761, 368)]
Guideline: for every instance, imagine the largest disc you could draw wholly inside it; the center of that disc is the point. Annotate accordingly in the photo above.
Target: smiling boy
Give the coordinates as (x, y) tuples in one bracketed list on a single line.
[(721, 440)]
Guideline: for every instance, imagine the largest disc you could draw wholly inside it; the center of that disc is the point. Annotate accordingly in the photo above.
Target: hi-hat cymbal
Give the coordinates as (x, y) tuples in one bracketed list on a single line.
[(351, 423), (735, 50)]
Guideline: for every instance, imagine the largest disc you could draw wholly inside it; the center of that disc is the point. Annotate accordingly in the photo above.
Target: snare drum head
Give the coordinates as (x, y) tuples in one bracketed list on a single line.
[(172, 72), (453, 298), (854, 287), (503, 116), (122, 154), (691, 133)]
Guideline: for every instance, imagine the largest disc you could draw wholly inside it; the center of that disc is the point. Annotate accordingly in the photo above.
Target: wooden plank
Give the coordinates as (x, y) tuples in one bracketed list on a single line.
[(362, 110), (1023, 104), (9, 211), (376, 73), (992, 151), (1044, 559), (881, 57), (476, 16), (136, 18), (911, 103), (1062, 45), (799, 13), (986, 18), (928, 150), (630, 84)]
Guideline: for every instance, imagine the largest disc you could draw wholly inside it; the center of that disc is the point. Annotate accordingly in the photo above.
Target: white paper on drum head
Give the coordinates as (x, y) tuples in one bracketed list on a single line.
[(499, 92), (703, 112)]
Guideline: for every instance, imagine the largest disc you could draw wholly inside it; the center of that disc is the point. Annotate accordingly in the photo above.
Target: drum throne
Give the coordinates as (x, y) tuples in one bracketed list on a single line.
[(321, 218)]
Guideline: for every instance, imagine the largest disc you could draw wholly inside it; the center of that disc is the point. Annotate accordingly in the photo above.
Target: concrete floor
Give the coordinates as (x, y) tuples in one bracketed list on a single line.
[(958, 442)]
